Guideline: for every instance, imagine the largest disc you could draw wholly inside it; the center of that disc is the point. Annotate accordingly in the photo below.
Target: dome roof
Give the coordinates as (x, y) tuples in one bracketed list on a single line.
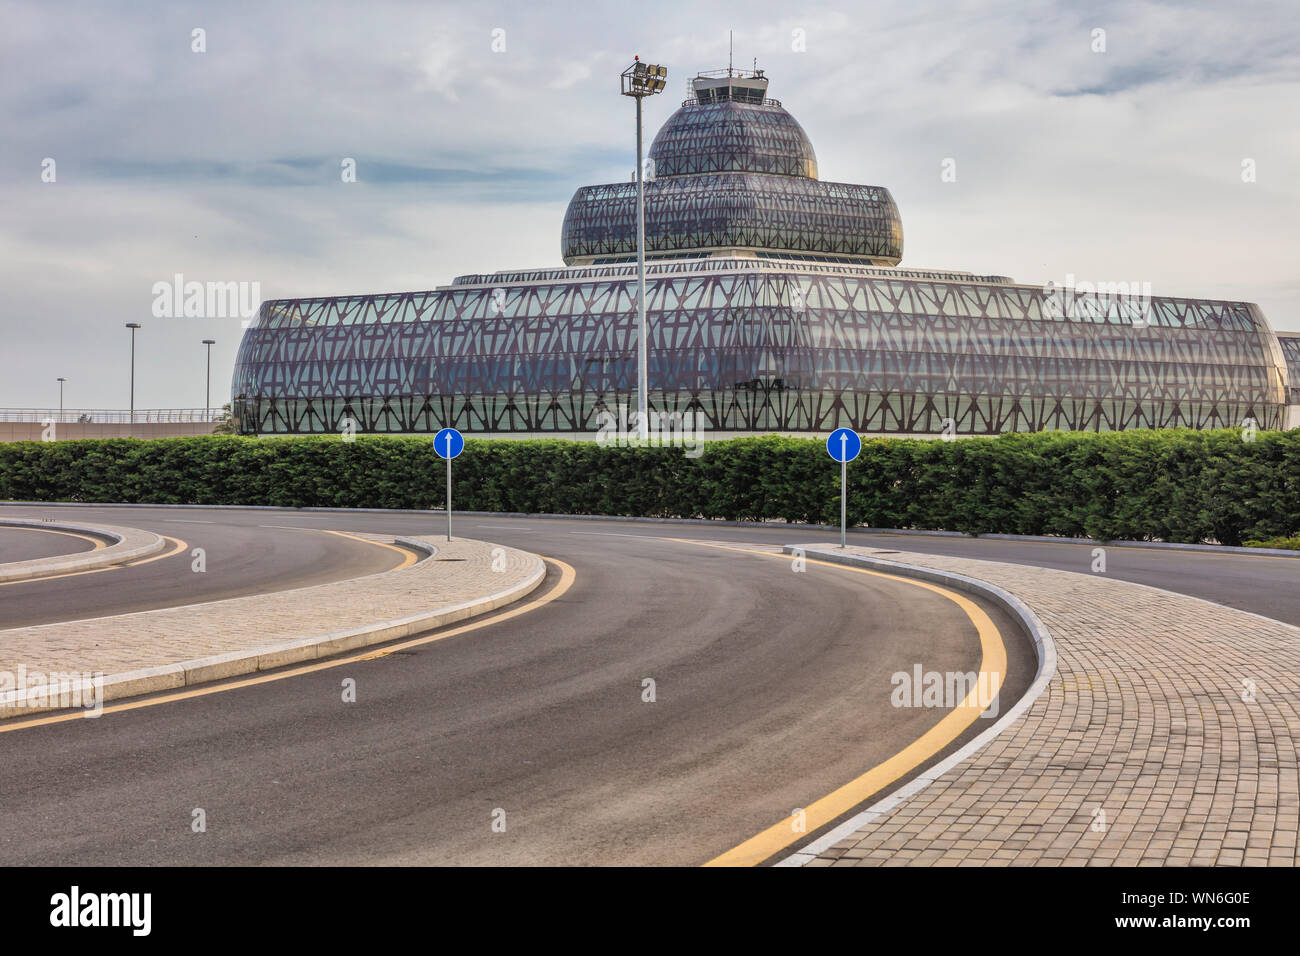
[(734, 173), (733, 137)]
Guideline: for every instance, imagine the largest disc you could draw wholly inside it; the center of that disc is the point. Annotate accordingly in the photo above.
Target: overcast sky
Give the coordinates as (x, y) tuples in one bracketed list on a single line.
[(225, 165)]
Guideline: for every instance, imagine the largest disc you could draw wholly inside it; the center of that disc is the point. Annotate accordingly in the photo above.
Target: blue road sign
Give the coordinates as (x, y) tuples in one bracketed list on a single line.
[(449, 443), (843, 444)]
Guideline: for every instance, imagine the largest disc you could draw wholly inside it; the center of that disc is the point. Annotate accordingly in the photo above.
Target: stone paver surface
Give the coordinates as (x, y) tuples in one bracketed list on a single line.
[(1167, 736)]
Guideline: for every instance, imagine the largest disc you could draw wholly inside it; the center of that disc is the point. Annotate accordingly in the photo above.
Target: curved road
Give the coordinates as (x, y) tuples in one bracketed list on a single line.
[(26, 544), (772, 690), (237, 559)]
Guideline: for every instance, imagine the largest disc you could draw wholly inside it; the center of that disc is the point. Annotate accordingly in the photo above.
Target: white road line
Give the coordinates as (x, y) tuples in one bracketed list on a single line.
[(616, 534), (326, 517), (183, 521)]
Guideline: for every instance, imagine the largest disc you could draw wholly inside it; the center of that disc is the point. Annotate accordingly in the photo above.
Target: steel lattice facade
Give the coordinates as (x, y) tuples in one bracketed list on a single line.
[(769, 310), (1291, 352), (723, 211), (733, 138), (754, 347), (730, 176)]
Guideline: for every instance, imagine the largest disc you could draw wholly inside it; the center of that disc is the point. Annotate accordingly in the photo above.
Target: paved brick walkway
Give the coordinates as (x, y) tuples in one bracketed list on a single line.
[(184, 645), (1144, 722)]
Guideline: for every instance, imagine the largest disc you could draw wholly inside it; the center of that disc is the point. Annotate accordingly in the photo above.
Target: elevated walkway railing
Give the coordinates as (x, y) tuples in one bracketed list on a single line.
[(111, 416)]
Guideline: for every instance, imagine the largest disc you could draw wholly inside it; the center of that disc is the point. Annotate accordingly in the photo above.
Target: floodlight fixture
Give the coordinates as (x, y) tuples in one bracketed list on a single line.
[(639, 81)]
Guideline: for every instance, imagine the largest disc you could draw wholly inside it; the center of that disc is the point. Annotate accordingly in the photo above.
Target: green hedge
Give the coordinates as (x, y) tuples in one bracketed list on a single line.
[(1282, 544), (1171, 485)]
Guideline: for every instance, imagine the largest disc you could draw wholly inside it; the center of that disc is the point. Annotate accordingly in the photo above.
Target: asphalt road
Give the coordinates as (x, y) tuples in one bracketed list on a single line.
[(1262, 584), (26, 544), (772, 690)]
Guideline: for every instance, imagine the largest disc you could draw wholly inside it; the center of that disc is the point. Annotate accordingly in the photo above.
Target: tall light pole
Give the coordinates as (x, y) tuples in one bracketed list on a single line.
[(639, 81), (133, 326), (208, 395), (61, 381)]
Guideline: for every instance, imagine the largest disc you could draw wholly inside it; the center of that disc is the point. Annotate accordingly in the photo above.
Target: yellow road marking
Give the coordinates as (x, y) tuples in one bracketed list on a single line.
[(408, 557), (98, 543), (179, 546), (567, 576), (993, 667), (1124, 547)]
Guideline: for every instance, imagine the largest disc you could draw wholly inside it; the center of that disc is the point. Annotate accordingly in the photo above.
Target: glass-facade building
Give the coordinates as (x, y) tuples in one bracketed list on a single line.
[(1291, 352), (774, 303)]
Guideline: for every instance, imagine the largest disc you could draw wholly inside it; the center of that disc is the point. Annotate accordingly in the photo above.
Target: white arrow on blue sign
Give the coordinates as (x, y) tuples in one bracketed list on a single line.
[(843, 444), (449, 443)]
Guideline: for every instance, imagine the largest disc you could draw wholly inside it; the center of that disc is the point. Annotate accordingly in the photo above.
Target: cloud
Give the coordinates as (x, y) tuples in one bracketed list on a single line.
[(226, 165)]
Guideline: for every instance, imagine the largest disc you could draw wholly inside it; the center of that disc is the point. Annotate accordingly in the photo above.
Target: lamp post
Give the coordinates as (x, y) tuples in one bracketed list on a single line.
[(207, 408), (132, 326), (639, 81), (61, 381)]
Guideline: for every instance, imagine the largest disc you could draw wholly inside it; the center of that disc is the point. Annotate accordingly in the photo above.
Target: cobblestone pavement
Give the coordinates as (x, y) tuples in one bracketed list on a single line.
[(1167, 737), (460, 580)]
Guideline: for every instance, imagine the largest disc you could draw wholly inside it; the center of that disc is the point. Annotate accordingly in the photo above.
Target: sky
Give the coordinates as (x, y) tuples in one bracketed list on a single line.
[(1163, 149)]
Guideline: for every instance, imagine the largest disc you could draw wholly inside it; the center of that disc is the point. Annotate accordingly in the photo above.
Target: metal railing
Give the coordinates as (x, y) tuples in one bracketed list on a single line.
[(112, 416), (694, 101)]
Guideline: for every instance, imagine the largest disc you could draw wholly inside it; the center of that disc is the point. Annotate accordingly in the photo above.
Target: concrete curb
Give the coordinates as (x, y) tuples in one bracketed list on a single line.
[(128, 545), (221, 666), (709, 522), (1044, 650)]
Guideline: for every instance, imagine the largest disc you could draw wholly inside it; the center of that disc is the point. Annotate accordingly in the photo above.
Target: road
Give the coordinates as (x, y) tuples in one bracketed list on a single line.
[(772, 689)]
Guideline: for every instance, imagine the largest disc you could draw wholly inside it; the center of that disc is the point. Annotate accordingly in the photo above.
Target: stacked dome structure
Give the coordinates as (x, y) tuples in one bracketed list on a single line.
[(775, 304), (734, 175)]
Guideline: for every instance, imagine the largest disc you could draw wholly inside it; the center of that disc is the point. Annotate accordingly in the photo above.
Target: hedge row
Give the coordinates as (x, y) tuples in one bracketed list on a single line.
[(1172, 485), (1284, 544)]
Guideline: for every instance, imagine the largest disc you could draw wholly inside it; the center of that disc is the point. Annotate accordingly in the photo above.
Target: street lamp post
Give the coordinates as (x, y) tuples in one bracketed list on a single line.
[(639, 81), (132, 326), (61, 381), (207, 408)]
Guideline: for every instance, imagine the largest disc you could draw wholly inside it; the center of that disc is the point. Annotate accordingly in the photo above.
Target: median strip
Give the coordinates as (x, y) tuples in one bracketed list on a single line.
[(128, 544), (148, 651)]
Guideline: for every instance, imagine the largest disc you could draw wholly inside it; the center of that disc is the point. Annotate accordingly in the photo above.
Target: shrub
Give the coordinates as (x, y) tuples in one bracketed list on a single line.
[(1284, 544), (1174, 485)]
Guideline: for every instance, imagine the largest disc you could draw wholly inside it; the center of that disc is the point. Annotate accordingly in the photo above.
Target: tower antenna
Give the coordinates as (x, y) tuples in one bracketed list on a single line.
[(730, 50)]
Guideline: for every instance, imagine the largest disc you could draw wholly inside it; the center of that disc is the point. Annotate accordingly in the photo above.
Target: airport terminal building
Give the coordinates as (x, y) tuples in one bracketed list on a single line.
[(775, 303)]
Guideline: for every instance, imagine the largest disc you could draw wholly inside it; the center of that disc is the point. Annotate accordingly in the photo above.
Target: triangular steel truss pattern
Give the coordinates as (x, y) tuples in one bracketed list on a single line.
[(756, 350), (1291, 354)]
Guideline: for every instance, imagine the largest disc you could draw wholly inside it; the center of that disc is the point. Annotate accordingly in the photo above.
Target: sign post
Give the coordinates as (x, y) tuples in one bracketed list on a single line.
[(448, 443), (843, 445)]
